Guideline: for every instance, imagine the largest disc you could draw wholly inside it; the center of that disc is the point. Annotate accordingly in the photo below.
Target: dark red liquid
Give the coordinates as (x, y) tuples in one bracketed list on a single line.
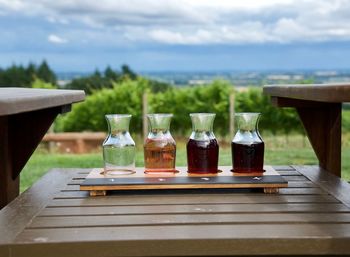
[(202, 156), (248, 157)]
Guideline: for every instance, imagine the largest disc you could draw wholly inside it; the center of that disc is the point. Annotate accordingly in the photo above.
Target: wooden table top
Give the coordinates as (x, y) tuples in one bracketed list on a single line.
[(53, 218), (332, 93), (16, 100)]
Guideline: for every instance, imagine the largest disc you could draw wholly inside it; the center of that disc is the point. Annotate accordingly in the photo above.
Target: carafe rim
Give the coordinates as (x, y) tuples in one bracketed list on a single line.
[(159, 115), (247, 113), (202, 113), (118, 115)]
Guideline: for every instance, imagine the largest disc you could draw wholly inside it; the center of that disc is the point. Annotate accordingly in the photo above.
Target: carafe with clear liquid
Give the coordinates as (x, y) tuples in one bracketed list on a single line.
[(159, 146), (118, 147), (202, 147), (247, 145)]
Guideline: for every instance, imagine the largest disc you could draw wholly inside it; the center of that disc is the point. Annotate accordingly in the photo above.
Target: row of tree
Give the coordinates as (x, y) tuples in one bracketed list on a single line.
[(109, 77), (35, 76), (20, 76)]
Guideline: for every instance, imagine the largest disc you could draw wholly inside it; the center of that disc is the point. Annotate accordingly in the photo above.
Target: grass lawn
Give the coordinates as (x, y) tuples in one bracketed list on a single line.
[(279, 151)]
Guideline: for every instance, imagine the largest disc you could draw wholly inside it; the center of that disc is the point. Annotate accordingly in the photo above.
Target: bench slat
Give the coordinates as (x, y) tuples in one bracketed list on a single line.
[(190, 199), (195, 209), (184, 219)]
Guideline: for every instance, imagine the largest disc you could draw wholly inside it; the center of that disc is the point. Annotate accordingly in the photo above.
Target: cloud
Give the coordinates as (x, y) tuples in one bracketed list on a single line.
[(194, 22), (56, 39)]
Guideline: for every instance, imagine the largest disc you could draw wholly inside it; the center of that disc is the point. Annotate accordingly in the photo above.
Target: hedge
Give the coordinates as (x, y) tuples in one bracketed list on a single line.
[(126, 97)]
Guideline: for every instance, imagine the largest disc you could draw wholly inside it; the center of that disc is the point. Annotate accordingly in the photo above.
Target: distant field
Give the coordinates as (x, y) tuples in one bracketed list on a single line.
[(279, 151)]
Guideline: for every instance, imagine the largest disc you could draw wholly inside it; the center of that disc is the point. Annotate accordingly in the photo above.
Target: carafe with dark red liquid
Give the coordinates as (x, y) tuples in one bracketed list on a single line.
[(247, 144), (202, 147), (159, 147)]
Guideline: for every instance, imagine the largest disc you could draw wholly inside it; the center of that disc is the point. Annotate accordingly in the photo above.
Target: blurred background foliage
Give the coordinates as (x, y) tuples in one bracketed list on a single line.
[(121, 91)]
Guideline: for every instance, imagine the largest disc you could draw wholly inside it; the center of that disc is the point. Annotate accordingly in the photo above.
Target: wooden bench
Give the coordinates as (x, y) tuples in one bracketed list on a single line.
[(319, 108), (53, 218), (25, 116), (76, 142)]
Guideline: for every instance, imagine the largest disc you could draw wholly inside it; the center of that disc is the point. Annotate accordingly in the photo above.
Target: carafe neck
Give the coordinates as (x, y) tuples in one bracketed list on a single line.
[(118, 123), (202, 126), (247, 122), (202, 122), (159, 123)]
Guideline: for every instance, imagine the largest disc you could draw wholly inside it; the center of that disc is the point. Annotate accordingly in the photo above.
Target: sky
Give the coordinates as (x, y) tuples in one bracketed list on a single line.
[(176, 35)]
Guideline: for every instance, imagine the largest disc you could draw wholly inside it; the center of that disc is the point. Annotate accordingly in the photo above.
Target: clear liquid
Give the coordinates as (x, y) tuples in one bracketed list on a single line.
[(119, 158)]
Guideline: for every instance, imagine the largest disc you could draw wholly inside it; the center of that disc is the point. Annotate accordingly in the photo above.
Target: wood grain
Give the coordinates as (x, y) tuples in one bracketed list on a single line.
[(17, 100), (323, 128), (9, 186), (193, 198), (338, 188), (196, 208), (229, 246), (331, 93), (196, 233), (319, 108), (305, 219), (15, 216), (185, 219), (283, 191), (97, 181)]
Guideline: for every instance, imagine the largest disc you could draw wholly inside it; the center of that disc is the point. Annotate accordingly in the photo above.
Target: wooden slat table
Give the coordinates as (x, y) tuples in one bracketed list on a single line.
[(53, 218), (25, 116), (319, 108)]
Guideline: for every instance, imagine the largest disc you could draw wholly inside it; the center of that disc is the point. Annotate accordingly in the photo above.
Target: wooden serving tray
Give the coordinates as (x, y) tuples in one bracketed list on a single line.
[(98, 183)]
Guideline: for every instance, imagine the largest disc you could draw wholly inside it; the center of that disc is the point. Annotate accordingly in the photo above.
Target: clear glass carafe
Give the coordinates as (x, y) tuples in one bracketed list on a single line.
[(247, 145), (202, 147), (118, 147), (159, 146)]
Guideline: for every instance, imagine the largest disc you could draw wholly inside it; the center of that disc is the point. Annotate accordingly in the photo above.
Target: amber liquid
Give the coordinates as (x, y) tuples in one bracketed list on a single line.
[(159, 156), (202, 156), (248, 157)]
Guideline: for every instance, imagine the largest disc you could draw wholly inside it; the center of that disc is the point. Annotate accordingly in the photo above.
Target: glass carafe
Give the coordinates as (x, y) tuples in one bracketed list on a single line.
[(247, 145), (202, 147), (118, 147), (160, 146)]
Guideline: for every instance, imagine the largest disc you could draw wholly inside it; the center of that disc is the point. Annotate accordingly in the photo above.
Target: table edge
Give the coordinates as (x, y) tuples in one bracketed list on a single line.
[(329, 93), (335, 186), (15, 216), (27, 104)]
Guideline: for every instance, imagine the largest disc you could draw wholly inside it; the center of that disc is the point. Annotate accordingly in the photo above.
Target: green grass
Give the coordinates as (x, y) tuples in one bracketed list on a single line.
[(279, 151)]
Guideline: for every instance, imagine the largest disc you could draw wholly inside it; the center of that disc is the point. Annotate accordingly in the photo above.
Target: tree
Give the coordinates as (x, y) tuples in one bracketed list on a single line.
[(98, 80), (112, 75), (14, 76), (127, 72), (45, 73), (31, 72)]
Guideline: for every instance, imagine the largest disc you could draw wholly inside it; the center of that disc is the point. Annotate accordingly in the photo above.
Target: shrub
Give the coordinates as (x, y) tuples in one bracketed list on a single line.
[(183, 101), (273, 119), (126, 97), (123, 98)]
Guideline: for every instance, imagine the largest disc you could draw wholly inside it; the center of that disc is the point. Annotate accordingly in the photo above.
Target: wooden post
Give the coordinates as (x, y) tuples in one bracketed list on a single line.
[(51, 144), (232, 113), (144, 114)]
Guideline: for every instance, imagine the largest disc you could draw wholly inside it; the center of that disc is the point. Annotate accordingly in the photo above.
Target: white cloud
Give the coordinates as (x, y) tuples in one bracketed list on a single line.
[(195, 21), (57, 20), (56, 39)]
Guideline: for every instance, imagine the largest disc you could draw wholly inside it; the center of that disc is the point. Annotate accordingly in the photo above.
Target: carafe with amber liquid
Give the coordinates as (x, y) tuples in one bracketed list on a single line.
[(159, 146), (202, 147), (247, 144)]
